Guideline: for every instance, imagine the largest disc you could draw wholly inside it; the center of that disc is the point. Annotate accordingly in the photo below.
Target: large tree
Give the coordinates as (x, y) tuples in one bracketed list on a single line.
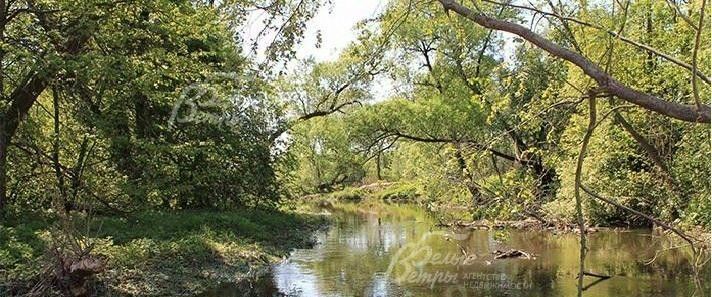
[(120, 66)]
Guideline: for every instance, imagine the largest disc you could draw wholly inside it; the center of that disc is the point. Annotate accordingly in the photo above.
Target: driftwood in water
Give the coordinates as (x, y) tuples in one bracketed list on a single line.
[(597, 275), (511, 254), (600, 277), (518, 225)]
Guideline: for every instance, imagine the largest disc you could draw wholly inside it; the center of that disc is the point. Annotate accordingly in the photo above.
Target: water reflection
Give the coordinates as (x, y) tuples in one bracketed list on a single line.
[(354, 256)]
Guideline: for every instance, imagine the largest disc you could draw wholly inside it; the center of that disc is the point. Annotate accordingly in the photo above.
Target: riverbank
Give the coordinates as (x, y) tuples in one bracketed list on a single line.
[(377, 198), (159, 253)]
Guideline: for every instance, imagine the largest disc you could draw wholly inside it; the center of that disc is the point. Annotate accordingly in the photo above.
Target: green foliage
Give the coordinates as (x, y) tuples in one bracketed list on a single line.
[(501, 137), (324, 156), (142, 108), (136, 109), (511, 194), (19, 252), (160, 110)]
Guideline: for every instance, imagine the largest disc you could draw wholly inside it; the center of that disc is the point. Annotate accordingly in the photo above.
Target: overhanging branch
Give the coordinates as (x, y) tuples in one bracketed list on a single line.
[(607, 83)]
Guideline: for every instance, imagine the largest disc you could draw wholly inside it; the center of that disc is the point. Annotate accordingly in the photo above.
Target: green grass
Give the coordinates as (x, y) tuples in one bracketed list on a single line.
[(165, 253), (267, 227), (383, 209), (349, 194), (386, 201)]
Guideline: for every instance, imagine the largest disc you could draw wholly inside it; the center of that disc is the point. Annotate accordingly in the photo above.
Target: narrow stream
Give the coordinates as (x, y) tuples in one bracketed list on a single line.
[(403, 254)]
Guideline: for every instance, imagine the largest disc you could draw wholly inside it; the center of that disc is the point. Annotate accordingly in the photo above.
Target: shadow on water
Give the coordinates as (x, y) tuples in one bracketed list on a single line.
[(368, 254)]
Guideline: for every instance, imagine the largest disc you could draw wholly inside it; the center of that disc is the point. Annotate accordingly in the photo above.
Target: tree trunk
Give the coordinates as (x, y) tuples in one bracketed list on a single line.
[(3, 139), (378, 166), (142, 116), (577, 188), (545, 178), (121, 145), (22, 99), (64, 198), (3, 168), (469, 180)]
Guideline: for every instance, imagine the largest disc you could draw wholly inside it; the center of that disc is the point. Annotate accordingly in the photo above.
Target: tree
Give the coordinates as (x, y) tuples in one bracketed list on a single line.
[(120, 68)]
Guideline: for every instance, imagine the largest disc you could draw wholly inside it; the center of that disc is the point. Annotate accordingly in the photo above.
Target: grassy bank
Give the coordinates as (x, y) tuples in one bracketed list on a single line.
[(386, 198), (160, 253)]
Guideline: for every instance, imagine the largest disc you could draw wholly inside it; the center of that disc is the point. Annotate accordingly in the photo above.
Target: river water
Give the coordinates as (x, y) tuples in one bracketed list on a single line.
[(401, 253)]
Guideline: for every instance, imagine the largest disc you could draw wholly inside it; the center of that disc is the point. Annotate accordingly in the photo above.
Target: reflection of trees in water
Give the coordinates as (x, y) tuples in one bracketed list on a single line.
[(629, 253), (358, 250)]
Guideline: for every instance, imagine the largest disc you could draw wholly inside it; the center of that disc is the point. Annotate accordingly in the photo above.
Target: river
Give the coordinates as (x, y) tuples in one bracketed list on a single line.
[(402, 253)]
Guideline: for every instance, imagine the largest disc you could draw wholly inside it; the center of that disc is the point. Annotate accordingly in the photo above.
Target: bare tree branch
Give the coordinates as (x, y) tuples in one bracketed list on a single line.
[(447, 140), (695, 90), (577, 185), (649, 148), (640, 214), (333, 109)]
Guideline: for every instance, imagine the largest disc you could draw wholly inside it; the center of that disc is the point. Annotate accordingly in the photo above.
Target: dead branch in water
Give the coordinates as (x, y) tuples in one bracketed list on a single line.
[(511, 254), (660, 223), (577, 186), (597, 275)]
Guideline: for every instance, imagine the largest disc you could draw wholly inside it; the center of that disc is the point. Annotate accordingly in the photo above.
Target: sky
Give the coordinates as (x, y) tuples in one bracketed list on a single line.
[(336, 23)]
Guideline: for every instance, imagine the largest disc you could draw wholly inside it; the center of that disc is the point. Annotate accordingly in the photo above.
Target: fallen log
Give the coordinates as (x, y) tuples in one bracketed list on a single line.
[(597, 275), (600, 277), (512, 253)]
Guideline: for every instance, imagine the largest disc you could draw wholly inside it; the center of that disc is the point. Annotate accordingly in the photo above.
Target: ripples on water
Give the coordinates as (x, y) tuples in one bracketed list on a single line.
[(353, 259)]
